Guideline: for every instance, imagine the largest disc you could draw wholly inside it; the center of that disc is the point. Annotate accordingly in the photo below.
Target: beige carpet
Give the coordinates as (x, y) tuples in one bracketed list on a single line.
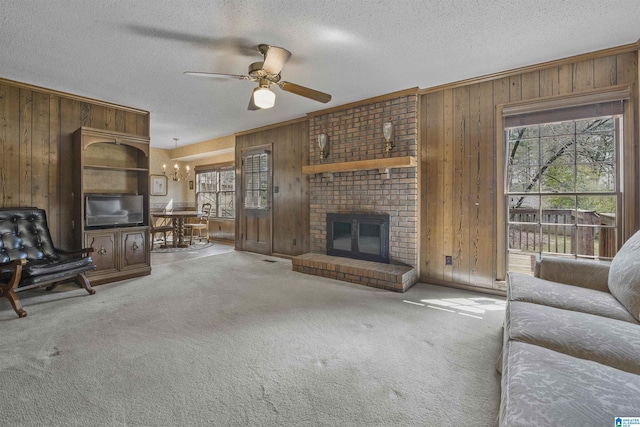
[(232, 340)]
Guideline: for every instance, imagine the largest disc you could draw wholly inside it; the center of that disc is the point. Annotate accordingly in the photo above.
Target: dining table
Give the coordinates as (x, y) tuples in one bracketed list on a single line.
[(177, 221)]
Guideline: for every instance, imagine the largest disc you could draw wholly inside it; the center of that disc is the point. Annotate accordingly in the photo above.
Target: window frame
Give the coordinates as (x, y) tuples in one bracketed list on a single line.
[(256, 183), (218, 169), (621, 93), (576, 227)]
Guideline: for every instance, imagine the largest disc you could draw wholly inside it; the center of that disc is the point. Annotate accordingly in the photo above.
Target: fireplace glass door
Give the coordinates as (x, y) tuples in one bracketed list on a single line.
[(369, 238), (358, 236), (342, 232)]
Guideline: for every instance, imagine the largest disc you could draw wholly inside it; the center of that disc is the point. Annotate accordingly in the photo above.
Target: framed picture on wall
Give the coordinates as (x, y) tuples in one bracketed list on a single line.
[(158, 185)]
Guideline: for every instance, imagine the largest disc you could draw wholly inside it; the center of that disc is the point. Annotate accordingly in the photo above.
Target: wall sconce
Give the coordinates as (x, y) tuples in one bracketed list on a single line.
[(387, 131), (323, 143)]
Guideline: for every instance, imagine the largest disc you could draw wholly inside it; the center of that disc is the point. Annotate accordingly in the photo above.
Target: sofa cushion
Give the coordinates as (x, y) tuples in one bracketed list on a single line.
[(521, 287), (624, 275), (541, 387), (587, 336)]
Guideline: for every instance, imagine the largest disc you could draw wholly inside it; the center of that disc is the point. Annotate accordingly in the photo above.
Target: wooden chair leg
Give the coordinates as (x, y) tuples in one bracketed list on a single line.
[(82, 280), (15, 303), (8, 292), (52, 287)]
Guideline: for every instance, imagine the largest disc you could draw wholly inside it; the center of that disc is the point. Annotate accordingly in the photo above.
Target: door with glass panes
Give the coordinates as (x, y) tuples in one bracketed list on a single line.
[(255, 220)]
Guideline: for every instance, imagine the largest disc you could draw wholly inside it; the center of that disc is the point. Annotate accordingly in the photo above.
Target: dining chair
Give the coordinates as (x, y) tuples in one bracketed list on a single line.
[(202, 226), (160, 229)]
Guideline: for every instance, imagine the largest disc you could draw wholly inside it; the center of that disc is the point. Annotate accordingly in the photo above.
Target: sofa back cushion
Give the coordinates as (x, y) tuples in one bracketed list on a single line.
[(624, 275)]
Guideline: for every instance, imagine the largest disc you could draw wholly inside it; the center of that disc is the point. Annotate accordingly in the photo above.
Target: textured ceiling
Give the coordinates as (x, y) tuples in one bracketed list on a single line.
[(134, 52)]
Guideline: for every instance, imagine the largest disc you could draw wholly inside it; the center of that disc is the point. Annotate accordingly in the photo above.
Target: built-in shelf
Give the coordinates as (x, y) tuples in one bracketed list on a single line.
[(359, 165), (106, 162)]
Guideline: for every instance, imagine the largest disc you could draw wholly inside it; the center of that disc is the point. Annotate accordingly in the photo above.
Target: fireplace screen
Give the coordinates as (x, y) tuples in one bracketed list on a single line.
[(358, 236)]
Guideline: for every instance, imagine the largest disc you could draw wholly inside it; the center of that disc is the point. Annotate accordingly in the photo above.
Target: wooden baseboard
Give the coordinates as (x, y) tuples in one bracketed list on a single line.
[(491, 291)]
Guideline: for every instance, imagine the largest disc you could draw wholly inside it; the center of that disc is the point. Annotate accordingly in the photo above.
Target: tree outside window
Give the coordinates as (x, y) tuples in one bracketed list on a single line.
[(562, 187)]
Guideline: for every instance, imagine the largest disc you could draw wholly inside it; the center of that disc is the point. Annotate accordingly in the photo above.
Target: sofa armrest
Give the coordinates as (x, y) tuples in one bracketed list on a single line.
[(586, 274)]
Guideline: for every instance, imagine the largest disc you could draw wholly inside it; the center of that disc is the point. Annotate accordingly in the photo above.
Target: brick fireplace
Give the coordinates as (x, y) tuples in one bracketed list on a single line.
[(355, 134)]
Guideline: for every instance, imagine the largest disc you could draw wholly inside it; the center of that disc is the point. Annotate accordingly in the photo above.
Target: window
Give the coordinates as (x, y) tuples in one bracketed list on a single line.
[(256, 181), (216, 185), (563, 186)]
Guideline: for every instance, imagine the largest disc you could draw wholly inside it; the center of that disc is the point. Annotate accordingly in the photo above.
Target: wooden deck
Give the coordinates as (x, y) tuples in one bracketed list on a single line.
[(522, 263)]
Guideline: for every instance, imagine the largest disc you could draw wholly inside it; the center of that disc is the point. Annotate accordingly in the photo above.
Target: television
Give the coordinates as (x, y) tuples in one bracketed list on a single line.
[(113, 210)]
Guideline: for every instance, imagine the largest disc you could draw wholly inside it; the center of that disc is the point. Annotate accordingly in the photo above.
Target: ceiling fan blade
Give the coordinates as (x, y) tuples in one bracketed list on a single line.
[(305, 91), (252, 105), (217, 75), (232, 45), (274, 58)]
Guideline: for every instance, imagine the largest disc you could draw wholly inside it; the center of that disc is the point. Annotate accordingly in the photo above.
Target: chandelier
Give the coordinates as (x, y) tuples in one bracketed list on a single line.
[(175, 175)]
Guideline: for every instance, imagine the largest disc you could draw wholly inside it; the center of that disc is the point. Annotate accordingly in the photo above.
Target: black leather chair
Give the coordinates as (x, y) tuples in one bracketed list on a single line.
[(29, 260)]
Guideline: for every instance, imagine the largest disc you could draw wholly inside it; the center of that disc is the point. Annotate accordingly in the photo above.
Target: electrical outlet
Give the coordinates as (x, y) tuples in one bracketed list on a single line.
[(448, 260)]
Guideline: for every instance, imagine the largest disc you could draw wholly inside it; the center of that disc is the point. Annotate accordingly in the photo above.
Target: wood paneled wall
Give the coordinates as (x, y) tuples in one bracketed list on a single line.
[(36, 143), (461, 166), (290, 204)]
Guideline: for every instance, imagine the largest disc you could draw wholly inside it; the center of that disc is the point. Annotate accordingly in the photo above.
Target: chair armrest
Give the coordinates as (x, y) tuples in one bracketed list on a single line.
[(586, 274), (82, 251), (13, 264)]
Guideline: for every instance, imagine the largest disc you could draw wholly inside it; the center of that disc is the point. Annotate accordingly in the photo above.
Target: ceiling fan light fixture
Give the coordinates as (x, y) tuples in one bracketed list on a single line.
[(266, 73), (263, 97)]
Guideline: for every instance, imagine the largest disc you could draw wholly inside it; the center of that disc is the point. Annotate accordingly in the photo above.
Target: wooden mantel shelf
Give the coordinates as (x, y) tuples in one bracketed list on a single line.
[(359, 165)]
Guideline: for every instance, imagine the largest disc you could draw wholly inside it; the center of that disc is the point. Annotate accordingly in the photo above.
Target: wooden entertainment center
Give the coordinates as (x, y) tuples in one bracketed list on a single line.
[(112, 163)]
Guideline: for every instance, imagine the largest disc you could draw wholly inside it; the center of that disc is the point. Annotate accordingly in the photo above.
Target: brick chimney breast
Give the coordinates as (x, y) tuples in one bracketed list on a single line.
[(356, 134)]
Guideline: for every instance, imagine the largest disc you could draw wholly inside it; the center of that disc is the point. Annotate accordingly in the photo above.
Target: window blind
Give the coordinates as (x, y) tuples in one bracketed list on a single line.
[(573, 107)]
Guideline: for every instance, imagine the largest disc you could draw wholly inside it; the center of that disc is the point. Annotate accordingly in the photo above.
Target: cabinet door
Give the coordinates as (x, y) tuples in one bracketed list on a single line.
[(104, 253), (135, 251)]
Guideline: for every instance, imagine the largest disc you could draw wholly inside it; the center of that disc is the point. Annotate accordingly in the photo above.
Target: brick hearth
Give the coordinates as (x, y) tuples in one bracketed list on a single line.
[(391, 277)]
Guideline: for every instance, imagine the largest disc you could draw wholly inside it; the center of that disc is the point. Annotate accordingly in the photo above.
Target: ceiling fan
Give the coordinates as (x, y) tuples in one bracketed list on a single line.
[(265, 73)]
